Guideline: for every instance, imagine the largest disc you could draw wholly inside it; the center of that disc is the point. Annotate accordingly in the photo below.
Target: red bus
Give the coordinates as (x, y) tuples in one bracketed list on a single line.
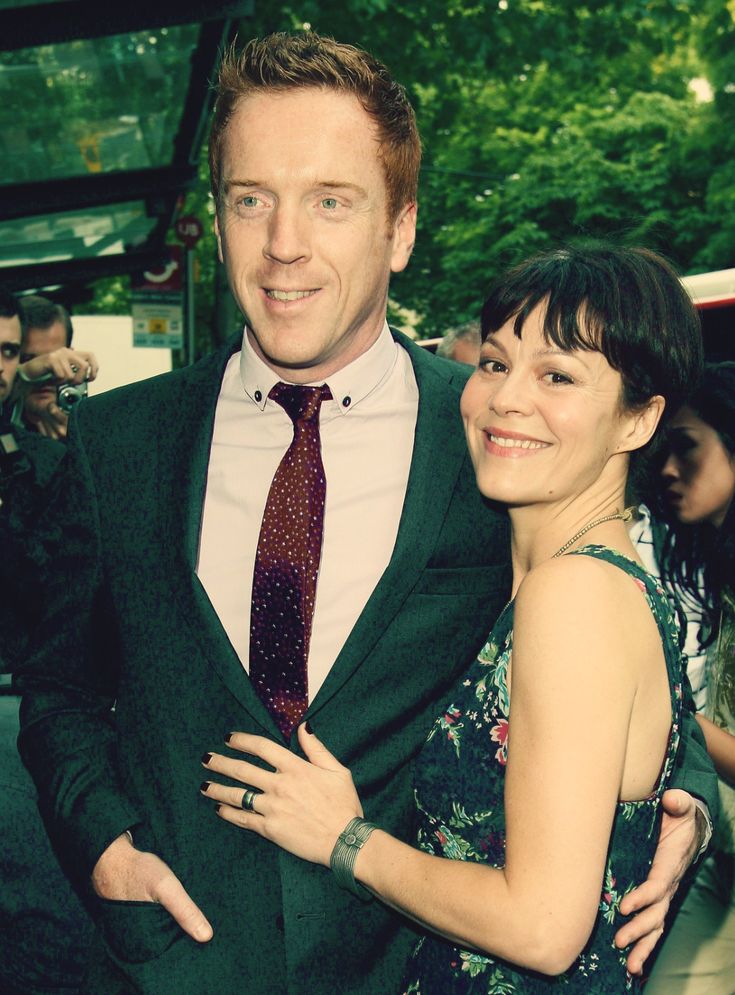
[(714, 297)]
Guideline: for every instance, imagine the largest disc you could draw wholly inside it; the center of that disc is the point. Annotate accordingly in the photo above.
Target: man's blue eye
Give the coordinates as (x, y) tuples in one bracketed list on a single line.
[(329, 202), (249, 201)]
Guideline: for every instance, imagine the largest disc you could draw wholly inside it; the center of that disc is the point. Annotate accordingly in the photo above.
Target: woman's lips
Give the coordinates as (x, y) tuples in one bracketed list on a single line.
[(512, 445)]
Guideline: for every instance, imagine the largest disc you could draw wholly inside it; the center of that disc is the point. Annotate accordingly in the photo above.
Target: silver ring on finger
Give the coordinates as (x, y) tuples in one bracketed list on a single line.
[(248, 800), (74, 368)]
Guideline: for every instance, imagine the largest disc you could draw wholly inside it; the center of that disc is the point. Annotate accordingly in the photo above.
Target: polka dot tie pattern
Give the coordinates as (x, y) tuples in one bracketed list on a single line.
[(287, 562)]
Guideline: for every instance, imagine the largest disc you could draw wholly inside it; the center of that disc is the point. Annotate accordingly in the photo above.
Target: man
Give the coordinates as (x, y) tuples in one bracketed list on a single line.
[(27, 465), (314, 158), (10, 332), (461, 343), (44, 931), (47, 361)]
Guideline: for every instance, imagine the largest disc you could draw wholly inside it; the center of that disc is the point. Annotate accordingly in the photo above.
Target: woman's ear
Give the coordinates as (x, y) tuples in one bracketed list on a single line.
[(640, 425)]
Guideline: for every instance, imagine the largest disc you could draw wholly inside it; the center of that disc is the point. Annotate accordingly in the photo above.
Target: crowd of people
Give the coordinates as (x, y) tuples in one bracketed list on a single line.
[(344, 667)]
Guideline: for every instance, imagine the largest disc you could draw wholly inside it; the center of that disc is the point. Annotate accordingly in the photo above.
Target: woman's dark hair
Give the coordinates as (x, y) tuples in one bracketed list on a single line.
[(700, 558), (626, 303)]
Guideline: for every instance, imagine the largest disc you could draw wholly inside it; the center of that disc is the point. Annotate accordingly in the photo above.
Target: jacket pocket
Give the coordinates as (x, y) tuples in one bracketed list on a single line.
[(136, 932)]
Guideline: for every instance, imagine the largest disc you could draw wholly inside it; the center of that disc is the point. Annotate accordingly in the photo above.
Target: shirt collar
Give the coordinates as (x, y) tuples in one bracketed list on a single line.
[(348, 386)]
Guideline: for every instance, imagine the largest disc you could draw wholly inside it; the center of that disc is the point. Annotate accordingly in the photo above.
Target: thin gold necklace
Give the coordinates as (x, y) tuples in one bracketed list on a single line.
[(587, 527)]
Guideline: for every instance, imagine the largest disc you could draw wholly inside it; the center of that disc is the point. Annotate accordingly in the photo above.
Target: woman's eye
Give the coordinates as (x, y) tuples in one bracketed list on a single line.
[(555, 377), (682, 446), (492, 366), (681, 442)]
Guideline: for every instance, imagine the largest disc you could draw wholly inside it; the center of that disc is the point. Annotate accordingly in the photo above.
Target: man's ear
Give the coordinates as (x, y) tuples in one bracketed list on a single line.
[(218, 236), (641, 424), (403, 237)]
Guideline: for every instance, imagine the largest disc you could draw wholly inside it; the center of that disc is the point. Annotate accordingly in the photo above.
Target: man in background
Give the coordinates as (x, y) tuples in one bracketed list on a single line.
[(44, 931), (47, 360), (461, 343)]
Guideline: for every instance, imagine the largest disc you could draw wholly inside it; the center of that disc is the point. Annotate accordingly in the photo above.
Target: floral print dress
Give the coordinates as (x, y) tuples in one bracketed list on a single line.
[(459, 795)]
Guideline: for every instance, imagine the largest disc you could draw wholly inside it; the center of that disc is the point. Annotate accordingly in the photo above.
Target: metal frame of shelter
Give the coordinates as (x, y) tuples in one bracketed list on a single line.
[(139, 197)]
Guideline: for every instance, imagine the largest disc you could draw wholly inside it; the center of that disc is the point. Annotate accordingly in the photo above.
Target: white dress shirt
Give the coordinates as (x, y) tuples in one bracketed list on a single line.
[(367, 433)]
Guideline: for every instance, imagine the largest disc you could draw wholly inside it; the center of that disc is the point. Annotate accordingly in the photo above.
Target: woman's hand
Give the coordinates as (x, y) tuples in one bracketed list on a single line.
[(302, 805)]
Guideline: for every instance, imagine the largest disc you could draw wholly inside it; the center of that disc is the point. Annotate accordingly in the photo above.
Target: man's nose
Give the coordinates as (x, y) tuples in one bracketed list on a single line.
[(288, 236)]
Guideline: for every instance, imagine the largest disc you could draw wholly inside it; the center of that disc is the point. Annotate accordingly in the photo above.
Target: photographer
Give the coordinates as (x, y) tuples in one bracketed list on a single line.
[(47, 360), (44, 930)]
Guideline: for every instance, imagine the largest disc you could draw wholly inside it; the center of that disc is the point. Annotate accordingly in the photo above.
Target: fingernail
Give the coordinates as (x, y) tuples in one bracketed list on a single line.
[(206, 758), (307, 726), (229, 736), (204, 785)]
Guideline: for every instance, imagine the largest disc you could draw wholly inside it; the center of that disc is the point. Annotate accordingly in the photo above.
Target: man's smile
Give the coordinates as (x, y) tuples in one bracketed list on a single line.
[(289, 295)]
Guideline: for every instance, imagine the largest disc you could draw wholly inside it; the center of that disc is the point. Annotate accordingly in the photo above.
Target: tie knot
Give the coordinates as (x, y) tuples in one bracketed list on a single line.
[(300, 403)]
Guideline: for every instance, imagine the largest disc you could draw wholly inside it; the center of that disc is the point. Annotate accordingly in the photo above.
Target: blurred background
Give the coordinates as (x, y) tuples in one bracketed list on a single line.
[(542, 120)]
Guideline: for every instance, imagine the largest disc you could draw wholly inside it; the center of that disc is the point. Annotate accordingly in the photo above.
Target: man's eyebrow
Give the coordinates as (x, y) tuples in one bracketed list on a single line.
[(227, 184), (318, 185), (341, 185)]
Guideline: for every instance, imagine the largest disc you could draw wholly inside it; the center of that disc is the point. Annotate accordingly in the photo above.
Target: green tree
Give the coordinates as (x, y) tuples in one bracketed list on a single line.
[(543, 120)]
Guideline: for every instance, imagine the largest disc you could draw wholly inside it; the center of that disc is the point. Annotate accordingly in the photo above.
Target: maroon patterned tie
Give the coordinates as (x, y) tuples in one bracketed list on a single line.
[(287, 562)]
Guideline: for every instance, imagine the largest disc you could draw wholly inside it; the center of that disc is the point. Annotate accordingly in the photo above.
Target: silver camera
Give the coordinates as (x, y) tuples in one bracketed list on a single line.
[(68, 395)]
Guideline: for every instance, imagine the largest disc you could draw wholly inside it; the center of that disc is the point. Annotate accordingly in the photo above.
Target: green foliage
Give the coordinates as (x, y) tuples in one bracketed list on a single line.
[(542, 120)]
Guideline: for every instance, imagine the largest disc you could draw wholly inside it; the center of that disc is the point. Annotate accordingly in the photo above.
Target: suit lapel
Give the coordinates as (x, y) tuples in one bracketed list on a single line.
[(438, 454), (183, 465)]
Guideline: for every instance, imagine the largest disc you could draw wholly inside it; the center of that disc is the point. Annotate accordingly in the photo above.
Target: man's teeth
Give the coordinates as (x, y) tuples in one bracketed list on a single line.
[(501, 440), (288, 295)]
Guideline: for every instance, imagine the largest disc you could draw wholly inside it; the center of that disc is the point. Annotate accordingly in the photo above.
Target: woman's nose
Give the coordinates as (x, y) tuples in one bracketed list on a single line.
[(512, 395), (670, 469)]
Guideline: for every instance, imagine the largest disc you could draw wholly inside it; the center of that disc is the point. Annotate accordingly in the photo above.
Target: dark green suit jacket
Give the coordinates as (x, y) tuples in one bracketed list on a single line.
[(131, 624), (27, 483)]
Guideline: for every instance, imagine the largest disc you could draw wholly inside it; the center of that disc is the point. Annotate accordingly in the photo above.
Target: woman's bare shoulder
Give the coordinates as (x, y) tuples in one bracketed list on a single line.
[(573, 596)]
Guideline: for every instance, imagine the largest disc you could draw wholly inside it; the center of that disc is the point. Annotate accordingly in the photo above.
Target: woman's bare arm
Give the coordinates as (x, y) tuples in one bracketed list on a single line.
[(572, 699)]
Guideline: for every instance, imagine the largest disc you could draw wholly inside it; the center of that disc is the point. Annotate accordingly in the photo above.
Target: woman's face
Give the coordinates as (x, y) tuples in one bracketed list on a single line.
[(699, 473), (542, 423)]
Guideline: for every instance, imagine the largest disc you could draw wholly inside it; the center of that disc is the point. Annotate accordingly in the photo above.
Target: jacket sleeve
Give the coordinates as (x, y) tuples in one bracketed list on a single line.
[(694, 771), (68, 736)]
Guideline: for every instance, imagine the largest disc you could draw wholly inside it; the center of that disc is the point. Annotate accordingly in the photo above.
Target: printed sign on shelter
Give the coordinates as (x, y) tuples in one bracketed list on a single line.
[(158, 305)]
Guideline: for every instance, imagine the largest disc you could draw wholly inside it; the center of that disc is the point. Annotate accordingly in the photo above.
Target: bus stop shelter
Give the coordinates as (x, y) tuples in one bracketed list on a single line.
[(103, 111)]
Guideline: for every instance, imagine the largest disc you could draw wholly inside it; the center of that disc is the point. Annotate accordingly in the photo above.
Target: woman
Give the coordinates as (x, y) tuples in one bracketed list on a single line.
[(699, 482), (528, 839)]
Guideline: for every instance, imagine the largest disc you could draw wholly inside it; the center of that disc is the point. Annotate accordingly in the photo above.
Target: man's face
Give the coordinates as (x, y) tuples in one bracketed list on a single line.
[(36, 342), (303, 229), (9, 354)]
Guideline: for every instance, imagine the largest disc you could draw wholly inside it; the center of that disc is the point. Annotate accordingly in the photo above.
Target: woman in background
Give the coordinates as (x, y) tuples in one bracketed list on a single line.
[(698, 557)]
